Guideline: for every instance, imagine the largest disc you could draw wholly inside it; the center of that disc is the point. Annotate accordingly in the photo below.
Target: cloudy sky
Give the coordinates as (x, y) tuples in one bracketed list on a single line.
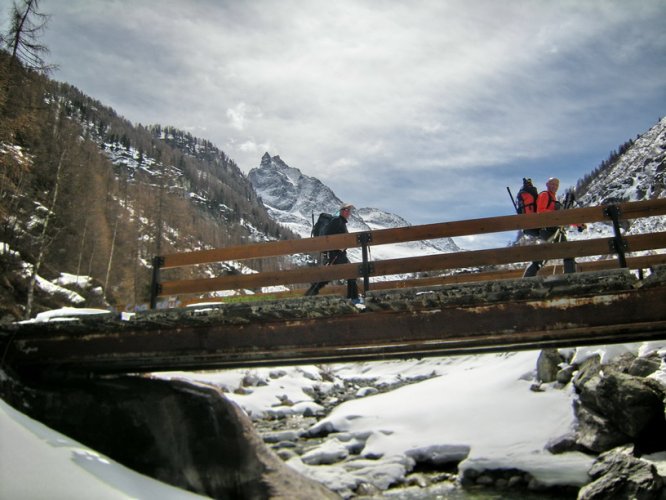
[(425, 108)]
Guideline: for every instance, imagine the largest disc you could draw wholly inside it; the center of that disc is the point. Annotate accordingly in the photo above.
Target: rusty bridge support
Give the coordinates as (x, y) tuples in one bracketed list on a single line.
[(553, 311), (619, 245)]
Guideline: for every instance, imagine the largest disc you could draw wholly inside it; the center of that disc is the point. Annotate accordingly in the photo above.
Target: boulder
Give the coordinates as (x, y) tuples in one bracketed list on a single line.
[(594, 432), (615, 407), (565, 443), (642, 367), (439, 457), (565, 375), (629, 403), (185, 434), (617, 476), (589, 368), (548, 365)]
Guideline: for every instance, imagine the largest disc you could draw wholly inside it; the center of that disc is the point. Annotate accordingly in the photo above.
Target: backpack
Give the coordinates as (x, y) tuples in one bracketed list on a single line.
[(526, 203), (527, 198), (319, 227)]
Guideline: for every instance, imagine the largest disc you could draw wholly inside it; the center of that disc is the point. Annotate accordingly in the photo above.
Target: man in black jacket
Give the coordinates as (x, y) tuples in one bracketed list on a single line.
[(337, 225)]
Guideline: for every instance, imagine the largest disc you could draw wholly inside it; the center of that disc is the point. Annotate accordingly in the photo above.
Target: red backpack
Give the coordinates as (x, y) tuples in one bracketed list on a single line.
[(527, 203), (527, 198)]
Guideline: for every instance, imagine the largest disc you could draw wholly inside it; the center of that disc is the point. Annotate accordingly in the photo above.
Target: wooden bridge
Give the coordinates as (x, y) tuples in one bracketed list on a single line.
[(611, 252), (441, 314)]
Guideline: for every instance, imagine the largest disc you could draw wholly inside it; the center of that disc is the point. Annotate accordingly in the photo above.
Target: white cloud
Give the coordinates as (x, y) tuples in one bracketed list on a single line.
[(249, 147), (237, 116)]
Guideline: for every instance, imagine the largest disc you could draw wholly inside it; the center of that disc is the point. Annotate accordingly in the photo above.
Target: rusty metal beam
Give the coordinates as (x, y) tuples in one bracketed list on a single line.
[(562, 310)]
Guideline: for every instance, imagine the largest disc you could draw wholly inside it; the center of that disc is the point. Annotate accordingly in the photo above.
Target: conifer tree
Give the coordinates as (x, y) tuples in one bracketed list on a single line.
[(23, 38)]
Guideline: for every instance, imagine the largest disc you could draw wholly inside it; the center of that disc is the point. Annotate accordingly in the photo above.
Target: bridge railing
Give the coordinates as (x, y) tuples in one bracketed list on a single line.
[(618, 245)]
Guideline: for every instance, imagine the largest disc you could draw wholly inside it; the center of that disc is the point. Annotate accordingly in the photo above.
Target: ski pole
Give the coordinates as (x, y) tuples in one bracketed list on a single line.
[(512, 200), (569, 199)]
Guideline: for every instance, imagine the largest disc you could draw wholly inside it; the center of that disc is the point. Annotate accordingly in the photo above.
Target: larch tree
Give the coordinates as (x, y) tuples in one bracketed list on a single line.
[(59, 131), (23, 37)]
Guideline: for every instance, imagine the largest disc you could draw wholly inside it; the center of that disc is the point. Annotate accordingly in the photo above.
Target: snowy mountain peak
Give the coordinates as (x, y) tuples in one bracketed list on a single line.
[(294, 200), (291, 197), (268, 161)]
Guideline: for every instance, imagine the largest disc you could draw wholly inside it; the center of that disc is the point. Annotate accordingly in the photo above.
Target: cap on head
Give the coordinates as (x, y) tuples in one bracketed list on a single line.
[(346, 206)]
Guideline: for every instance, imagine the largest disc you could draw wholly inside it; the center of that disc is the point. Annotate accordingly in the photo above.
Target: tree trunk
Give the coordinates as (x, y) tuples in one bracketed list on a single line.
[(42, 239), (108, 267)]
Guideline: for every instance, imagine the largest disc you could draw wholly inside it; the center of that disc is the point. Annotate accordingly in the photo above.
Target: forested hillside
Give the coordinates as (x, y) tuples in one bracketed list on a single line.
[(84, 191)]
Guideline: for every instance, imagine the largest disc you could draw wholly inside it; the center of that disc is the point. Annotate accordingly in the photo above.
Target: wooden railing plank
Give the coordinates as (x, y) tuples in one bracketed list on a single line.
[(468, 227), (643, 262), (253, 281), (631, 210), (498, 256), (509, 255), (260, 250)]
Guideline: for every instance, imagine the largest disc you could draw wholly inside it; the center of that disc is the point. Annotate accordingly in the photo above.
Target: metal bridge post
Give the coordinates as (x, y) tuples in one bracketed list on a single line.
[(155, 287), (366, 268), (619, 245)]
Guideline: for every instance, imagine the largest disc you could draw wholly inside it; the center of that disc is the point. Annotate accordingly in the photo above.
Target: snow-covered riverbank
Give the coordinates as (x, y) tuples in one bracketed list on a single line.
[(483, 405)]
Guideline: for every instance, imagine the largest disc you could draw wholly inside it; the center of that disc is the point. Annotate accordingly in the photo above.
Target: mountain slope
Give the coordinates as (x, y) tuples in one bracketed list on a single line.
[(85, 192), (638, 173)]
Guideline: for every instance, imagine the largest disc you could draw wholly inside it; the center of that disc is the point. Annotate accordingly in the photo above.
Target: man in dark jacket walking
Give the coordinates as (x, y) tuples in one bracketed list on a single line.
[(337, 225)]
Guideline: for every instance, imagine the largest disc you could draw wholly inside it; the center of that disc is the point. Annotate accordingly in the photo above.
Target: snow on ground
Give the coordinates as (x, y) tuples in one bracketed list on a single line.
[(65, 314), (483, 403)]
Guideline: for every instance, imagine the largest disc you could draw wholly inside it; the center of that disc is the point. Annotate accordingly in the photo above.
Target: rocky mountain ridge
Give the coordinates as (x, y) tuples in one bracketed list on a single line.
[(294, 200), (637, 174)]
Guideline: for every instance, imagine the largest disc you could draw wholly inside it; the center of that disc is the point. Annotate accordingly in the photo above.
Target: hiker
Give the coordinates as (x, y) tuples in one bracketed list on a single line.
[(547, 202), (337, 225)]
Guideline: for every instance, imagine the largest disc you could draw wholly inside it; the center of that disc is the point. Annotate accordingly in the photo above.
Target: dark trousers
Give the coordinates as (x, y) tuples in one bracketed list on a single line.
[(333, 258), (551, 234)]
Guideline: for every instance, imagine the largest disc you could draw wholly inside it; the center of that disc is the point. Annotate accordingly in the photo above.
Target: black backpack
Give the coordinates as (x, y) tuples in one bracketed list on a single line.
[(319, 227)]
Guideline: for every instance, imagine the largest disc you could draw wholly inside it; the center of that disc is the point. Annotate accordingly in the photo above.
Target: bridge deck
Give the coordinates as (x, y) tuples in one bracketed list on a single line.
[(562, 310)]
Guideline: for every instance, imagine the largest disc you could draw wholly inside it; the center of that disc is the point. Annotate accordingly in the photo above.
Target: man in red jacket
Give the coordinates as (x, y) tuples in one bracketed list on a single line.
[(547, 202)]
